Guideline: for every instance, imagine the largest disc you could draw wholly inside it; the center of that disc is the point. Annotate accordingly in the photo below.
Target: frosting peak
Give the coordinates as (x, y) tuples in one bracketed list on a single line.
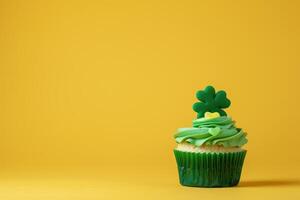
[(212, 131)]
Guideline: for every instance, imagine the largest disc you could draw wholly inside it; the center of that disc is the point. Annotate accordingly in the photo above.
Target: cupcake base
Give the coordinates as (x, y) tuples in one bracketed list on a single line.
[(209, 169)]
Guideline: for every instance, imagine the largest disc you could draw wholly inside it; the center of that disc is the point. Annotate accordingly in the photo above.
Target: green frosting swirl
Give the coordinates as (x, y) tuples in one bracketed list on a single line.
[(215, 131)]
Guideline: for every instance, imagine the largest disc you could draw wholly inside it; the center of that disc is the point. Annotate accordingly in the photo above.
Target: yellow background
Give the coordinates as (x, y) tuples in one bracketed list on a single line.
[(93, 91)]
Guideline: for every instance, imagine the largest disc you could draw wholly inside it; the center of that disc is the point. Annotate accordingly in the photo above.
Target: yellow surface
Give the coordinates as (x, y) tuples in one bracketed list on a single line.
[(92, 92)]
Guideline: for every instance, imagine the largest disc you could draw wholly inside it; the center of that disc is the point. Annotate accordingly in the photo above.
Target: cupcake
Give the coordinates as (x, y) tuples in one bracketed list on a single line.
[(210, 153)]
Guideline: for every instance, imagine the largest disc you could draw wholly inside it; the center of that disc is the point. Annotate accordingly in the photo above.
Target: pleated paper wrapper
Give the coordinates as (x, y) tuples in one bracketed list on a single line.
[(212, 169)]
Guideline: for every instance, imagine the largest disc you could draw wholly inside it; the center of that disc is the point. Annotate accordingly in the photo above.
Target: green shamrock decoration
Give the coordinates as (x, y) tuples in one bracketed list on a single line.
[(211, 101)]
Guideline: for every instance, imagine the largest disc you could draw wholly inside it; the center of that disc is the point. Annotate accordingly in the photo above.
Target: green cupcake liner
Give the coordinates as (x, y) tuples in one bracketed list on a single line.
[(209, 169)]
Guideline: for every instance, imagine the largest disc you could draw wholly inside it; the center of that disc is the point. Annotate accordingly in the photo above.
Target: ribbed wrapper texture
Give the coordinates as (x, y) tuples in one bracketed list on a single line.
[(209, 169)]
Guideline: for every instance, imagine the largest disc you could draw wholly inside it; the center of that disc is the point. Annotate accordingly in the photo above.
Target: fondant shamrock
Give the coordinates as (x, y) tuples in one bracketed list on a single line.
[(211, 101)]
